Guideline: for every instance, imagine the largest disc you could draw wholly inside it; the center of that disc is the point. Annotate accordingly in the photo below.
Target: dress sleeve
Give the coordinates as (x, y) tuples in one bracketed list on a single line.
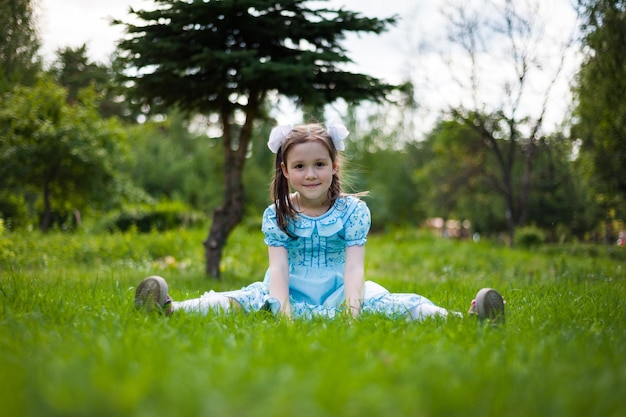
[(274, 236), (357, 225)]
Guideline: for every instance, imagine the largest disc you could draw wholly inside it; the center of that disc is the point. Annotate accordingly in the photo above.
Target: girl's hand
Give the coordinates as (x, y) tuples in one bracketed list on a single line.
[(352, 311), (285, 311)]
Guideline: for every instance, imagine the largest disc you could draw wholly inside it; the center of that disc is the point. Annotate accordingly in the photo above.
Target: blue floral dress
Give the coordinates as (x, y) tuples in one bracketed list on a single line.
[(316, 248)]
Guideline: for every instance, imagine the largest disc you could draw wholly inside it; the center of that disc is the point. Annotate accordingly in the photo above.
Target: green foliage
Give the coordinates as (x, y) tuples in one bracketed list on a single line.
[(455, 172), (170, 162), (529, 237), (112, 252), (19, 43), (452, 172), (146, 218), (586, 251), (72, 344), (66, 155), (75, 71), (259, 170), (179, 162), (601, 110), (377, 162), (206, 56), (13, 209)]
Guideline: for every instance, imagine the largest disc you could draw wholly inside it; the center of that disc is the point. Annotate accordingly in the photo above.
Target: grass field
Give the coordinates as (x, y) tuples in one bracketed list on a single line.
[(71, 343)]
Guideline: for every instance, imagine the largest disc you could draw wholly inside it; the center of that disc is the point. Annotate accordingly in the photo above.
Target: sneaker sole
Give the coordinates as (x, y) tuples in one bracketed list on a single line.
[(490, 306), (151, 293)]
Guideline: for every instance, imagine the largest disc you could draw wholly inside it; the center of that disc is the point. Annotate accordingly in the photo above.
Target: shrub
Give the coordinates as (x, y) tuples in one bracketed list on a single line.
[(529, 237), (13, 210), (160, 217)]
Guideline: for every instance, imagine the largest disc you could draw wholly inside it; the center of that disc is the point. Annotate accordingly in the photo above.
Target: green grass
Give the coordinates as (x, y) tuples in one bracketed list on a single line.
[(71, 343)]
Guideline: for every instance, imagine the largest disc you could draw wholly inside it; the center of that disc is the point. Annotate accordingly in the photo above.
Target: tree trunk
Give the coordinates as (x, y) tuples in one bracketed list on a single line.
[(509, 200), (46, 216), (230, 213), (225, 218)]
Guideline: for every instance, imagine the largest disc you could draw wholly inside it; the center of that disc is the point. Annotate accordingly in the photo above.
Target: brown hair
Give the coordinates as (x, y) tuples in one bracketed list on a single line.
[(280, 192)]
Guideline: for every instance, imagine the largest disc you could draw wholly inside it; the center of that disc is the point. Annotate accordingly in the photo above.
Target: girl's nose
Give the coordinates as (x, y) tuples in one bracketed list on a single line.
[(310, 173)]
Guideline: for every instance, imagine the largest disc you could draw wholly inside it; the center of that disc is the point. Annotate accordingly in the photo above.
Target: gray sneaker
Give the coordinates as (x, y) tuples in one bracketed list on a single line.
[(151, 294), (488, 305)]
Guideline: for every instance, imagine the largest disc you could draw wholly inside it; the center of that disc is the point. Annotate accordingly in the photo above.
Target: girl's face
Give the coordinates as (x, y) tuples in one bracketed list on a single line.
[(309, 170)]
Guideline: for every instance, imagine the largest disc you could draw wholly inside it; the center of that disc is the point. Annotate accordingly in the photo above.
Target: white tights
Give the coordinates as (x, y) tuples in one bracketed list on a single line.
[(207, 301), (425, 310)]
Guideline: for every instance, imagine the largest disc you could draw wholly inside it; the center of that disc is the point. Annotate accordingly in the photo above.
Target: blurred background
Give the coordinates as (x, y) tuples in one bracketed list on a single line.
[(497, 120)]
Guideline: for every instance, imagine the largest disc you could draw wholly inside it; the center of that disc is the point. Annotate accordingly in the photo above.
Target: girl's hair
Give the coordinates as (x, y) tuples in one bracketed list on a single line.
[(280, 192)]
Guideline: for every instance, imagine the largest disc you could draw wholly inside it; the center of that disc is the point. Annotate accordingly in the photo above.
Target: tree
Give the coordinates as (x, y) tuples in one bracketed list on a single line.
[(228, 57), (455, 175), (19, 44), (505, 69), (600, 112), (73, 70), (456, 162), (66, 153), (561, 203)]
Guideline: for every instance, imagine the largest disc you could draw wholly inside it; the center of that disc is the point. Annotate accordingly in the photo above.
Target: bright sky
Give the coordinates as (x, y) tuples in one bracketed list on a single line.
[(392, 56), (74, 22)]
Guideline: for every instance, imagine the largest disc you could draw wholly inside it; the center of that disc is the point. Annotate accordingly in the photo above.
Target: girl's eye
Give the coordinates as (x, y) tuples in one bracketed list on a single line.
[(298, 166), (320, 164)]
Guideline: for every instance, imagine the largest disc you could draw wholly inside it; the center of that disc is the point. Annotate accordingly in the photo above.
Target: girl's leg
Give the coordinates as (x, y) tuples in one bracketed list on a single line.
[(427, 309), (152, 294), (488, 305), (252, 298), (209, 301)]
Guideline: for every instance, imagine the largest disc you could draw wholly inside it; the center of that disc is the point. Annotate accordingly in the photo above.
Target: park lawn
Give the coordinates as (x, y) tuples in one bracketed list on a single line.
[(71, 343)]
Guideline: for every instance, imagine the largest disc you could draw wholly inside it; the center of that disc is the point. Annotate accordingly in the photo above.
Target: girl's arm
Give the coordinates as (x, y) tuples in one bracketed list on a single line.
[(279, 278), (354, 276)]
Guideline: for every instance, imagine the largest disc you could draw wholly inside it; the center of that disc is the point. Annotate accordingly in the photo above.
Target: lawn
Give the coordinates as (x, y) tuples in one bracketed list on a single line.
[(71, 344)]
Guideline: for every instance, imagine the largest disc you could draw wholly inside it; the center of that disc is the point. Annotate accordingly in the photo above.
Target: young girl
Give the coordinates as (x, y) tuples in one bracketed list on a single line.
[(316, 238)]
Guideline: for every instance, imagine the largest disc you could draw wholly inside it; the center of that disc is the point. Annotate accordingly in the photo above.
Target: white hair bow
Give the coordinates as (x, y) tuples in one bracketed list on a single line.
[(336, 130), (338, 133), (277, 137)]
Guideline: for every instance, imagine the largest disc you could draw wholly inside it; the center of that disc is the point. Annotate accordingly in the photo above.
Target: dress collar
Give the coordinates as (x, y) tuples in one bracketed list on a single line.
[(328, 223)]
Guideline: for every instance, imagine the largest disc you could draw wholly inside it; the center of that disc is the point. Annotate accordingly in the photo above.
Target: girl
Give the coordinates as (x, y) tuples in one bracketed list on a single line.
[(316, 237)]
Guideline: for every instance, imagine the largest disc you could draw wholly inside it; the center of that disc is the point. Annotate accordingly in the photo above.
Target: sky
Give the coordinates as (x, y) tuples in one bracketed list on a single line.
[(406, 51), (76, 22)]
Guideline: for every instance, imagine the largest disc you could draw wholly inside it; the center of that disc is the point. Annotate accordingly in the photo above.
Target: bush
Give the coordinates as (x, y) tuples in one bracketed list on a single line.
[(529, 237), (160, 217), (13, 210)]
